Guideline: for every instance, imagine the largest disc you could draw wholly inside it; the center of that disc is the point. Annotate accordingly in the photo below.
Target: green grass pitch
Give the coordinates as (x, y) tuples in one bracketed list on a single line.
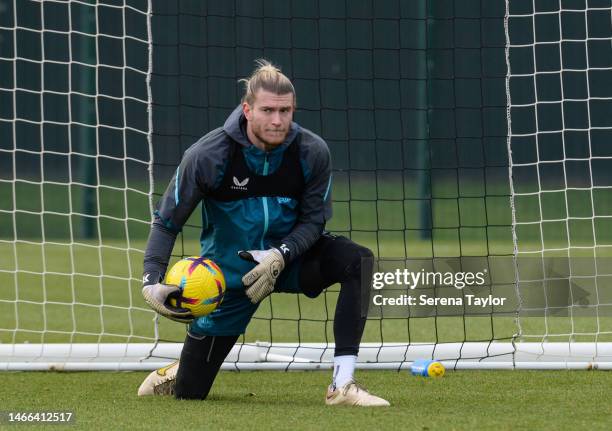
[(93, 296), (463, 400)]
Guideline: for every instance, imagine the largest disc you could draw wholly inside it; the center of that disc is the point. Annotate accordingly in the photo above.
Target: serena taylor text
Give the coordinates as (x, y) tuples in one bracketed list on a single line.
[(472, 300)]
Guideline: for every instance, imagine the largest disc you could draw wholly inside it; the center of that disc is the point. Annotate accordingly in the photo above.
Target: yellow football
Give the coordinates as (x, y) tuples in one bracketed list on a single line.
[(201, 285)]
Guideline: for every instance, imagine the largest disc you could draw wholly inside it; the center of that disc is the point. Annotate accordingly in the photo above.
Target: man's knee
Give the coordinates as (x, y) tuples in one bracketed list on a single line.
[(347, 260), (182, 393), (334, 259)]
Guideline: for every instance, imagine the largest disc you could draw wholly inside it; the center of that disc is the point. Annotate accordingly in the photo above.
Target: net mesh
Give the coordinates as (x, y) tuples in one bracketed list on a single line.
[(74, 181), (559, 70), (410, 99)]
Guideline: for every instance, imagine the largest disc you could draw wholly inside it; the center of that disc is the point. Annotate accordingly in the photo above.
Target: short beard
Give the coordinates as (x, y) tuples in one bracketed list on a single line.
[(267, 145)]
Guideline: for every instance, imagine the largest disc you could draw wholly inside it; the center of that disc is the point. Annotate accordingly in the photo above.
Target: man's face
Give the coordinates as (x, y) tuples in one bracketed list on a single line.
[(269, 118)]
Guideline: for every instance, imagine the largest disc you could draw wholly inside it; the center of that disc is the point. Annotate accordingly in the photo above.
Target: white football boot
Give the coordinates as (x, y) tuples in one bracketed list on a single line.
[(353, 394), (160, 382)]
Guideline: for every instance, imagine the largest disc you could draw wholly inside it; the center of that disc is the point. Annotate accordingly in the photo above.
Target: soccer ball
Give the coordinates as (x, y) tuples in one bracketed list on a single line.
[(201, 285)]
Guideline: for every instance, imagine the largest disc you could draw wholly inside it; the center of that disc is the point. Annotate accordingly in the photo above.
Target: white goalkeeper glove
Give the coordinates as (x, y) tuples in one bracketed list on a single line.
[(157, 295), (260, 280)]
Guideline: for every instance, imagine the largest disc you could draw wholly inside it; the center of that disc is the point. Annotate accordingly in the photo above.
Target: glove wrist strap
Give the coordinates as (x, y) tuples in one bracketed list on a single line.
[(150, 277), (285, 252)]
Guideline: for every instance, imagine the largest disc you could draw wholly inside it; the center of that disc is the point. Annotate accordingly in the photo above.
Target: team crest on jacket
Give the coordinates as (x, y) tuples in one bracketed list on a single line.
[(240, 185)]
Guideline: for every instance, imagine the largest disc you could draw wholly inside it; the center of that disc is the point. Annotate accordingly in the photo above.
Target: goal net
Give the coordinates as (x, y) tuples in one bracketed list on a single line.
[(75, 182), (559, 69), (463, 139)]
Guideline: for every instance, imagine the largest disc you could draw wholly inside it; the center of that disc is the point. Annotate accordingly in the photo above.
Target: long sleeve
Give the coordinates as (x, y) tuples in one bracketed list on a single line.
[(189, 185)]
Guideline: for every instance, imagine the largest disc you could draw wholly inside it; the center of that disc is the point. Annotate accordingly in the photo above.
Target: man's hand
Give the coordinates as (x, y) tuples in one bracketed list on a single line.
[(261, 279), (156, 295)]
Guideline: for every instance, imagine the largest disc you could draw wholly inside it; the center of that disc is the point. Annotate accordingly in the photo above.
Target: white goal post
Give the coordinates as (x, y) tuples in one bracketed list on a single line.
[(309, 356), (77, 192)]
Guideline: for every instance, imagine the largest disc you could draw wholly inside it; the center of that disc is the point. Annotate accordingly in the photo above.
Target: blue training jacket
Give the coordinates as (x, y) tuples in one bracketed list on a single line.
[(251, 200)]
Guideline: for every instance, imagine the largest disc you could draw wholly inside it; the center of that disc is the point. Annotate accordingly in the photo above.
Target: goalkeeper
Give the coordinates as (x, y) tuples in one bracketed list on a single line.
[(264, 183)]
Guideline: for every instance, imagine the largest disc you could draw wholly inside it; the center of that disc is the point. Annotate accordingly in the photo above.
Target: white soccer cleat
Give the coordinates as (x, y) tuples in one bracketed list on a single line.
[(160, 382), (353, 394)]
